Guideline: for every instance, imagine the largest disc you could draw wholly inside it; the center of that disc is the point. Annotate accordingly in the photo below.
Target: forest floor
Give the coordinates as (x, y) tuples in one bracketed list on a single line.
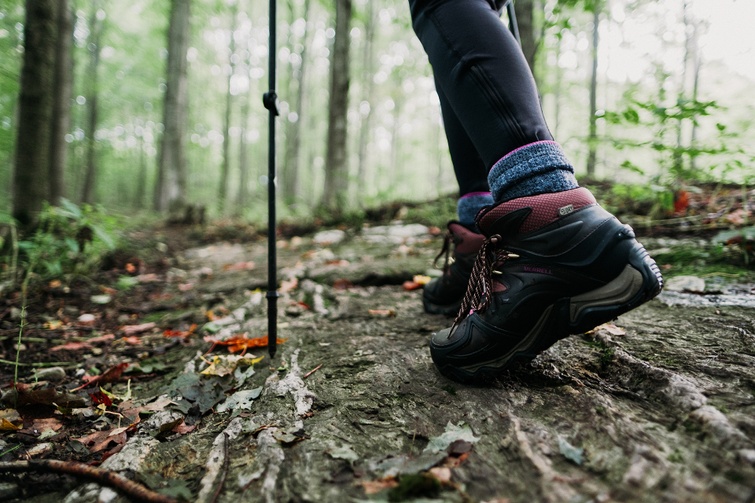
[(152, 369)]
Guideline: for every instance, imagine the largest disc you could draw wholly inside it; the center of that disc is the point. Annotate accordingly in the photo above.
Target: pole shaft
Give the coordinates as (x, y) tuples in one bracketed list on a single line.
[(270, 100)]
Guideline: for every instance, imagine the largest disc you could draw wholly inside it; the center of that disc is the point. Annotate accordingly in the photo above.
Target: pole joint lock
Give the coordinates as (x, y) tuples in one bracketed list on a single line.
[(270, 100)]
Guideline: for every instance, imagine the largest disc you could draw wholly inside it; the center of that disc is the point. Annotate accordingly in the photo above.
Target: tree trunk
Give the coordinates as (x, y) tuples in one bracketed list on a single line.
[(225, 166), (336, 180), (292, 162), (592, 137), (170, 193), (524, 10), (95, 47), (31, 166), (61, 111), (368, 56)]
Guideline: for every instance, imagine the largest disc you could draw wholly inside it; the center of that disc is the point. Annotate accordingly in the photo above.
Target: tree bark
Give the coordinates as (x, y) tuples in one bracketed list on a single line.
[(524, 10), (592, 137), (292, 162), (225, 166), (170, 193), (95, 46), (31, 164), (61, 111), (336, 179), (368, 56)]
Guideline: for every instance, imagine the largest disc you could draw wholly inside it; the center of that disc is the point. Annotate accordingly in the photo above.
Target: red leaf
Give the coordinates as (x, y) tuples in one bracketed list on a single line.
[(242, 342), (101, 398)]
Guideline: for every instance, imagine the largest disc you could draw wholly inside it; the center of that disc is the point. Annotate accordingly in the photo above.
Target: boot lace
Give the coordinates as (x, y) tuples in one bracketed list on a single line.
[(480, 289), (446, 250)]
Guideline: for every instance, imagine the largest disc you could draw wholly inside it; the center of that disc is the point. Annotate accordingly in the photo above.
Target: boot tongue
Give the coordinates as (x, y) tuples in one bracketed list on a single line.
[(527, 214)]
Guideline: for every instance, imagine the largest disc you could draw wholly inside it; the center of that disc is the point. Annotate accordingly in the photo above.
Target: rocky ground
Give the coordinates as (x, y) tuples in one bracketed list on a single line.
[(657, 406)]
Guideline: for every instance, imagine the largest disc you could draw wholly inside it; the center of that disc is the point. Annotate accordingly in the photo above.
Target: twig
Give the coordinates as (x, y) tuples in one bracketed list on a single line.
[(81, 470), (312, 371), (43, 364)]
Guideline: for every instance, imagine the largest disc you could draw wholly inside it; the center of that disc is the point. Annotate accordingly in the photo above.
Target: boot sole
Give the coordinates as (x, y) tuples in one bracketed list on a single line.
[(639, 282)]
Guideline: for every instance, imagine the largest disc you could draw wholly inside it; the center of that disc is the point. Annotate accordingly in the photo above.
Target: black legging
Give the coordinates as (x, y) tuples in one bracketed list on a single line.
[(487, 93)]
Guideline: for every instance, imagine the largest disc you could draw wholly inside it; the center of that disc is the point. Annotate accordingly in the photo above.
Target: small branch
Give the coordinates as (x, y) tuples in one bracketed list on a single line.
[(312, 371), (80, 470), (43, 364)]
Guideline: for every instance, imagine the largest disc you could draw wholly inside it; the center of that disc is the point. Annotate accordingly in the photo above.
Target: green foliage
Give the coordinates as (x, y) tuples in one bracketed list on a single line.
[(678, 162), (69, 240)]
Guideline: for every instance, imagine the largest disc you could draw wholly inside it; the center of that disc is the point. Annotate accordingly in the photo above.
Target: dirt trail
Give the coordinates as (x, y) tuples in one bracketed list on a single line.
[(658, 406)]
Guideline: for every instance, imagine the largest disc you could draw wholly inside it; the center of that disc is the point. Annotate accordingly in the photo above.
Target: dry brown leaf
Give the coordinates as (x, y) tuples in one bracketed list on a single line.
[(71, 346), (137, 329)]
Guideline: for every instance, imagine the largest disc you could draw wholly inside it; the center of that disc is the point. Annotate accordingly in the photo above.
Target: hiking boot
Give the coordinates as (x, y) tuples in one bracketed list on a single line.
[(443, 295), (551, 265)]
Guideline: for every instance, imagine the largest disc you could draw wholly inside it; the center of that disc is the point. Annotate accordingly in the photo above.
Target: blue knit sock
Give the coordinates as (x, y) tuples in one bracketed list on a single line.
[(537, 168), (469, 205)]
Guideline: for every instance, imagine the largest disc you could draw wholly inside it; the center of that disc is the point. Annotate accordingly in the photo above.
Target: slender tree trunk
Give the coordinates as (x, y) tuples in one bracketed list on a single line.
[(524, 10), (170, 193), (292, 160), (696, 66), (592, 137), (61, 112), (141, 178), (32, 157), (225, 166), (96, 27), (336, 179), (368, 56)]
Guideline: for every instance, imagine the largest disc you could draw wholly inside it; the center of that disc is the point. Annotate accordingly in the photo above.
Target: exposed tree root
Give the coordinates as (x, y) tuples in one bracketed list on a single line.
[(104, 477)]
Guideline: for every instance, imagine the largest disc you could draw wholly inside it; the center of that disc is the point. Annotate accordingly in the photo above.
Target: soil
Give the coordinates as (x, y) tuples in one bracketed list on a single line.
[(657, 406)]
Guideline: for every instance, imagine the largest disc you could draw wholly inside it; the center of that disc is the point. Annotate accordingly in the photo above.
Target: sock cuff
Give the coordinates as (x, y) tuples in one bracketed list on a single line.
[(470, 204), (538, 167)]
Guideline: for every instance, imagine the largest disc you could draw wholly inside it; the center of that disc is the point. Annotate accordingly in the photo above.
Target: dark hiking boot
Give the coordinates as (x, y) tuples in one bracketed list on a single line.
[(443, 295), (551, 265)]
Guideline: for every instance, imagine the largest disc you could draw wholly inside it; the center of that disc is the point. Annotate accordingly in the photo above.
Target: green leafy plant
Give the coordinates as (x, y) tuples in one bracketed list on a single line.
[(68, 240)]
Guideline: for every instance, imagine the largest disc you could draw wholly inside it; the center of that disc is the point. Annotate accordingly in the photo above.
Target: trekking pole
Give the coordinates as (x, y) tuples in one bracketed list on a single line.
[(270, 100), (513, 25)]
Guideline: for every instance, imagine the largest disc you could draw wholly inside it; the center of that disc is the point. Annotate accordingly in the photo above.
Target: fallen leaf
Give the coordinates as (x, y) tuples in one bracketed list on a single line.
[(183, 428), (10, 420), (53, 325), (110, 375), (101, 440), (611, 329), (137, 329), (180, 333), (71, 346), (382, 313), (102, 338), (101, 398), (223, 365), (240, 266), (411, 285), (452, 434), (241, 342), (241, 400), (43, 427), (573, 454)]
